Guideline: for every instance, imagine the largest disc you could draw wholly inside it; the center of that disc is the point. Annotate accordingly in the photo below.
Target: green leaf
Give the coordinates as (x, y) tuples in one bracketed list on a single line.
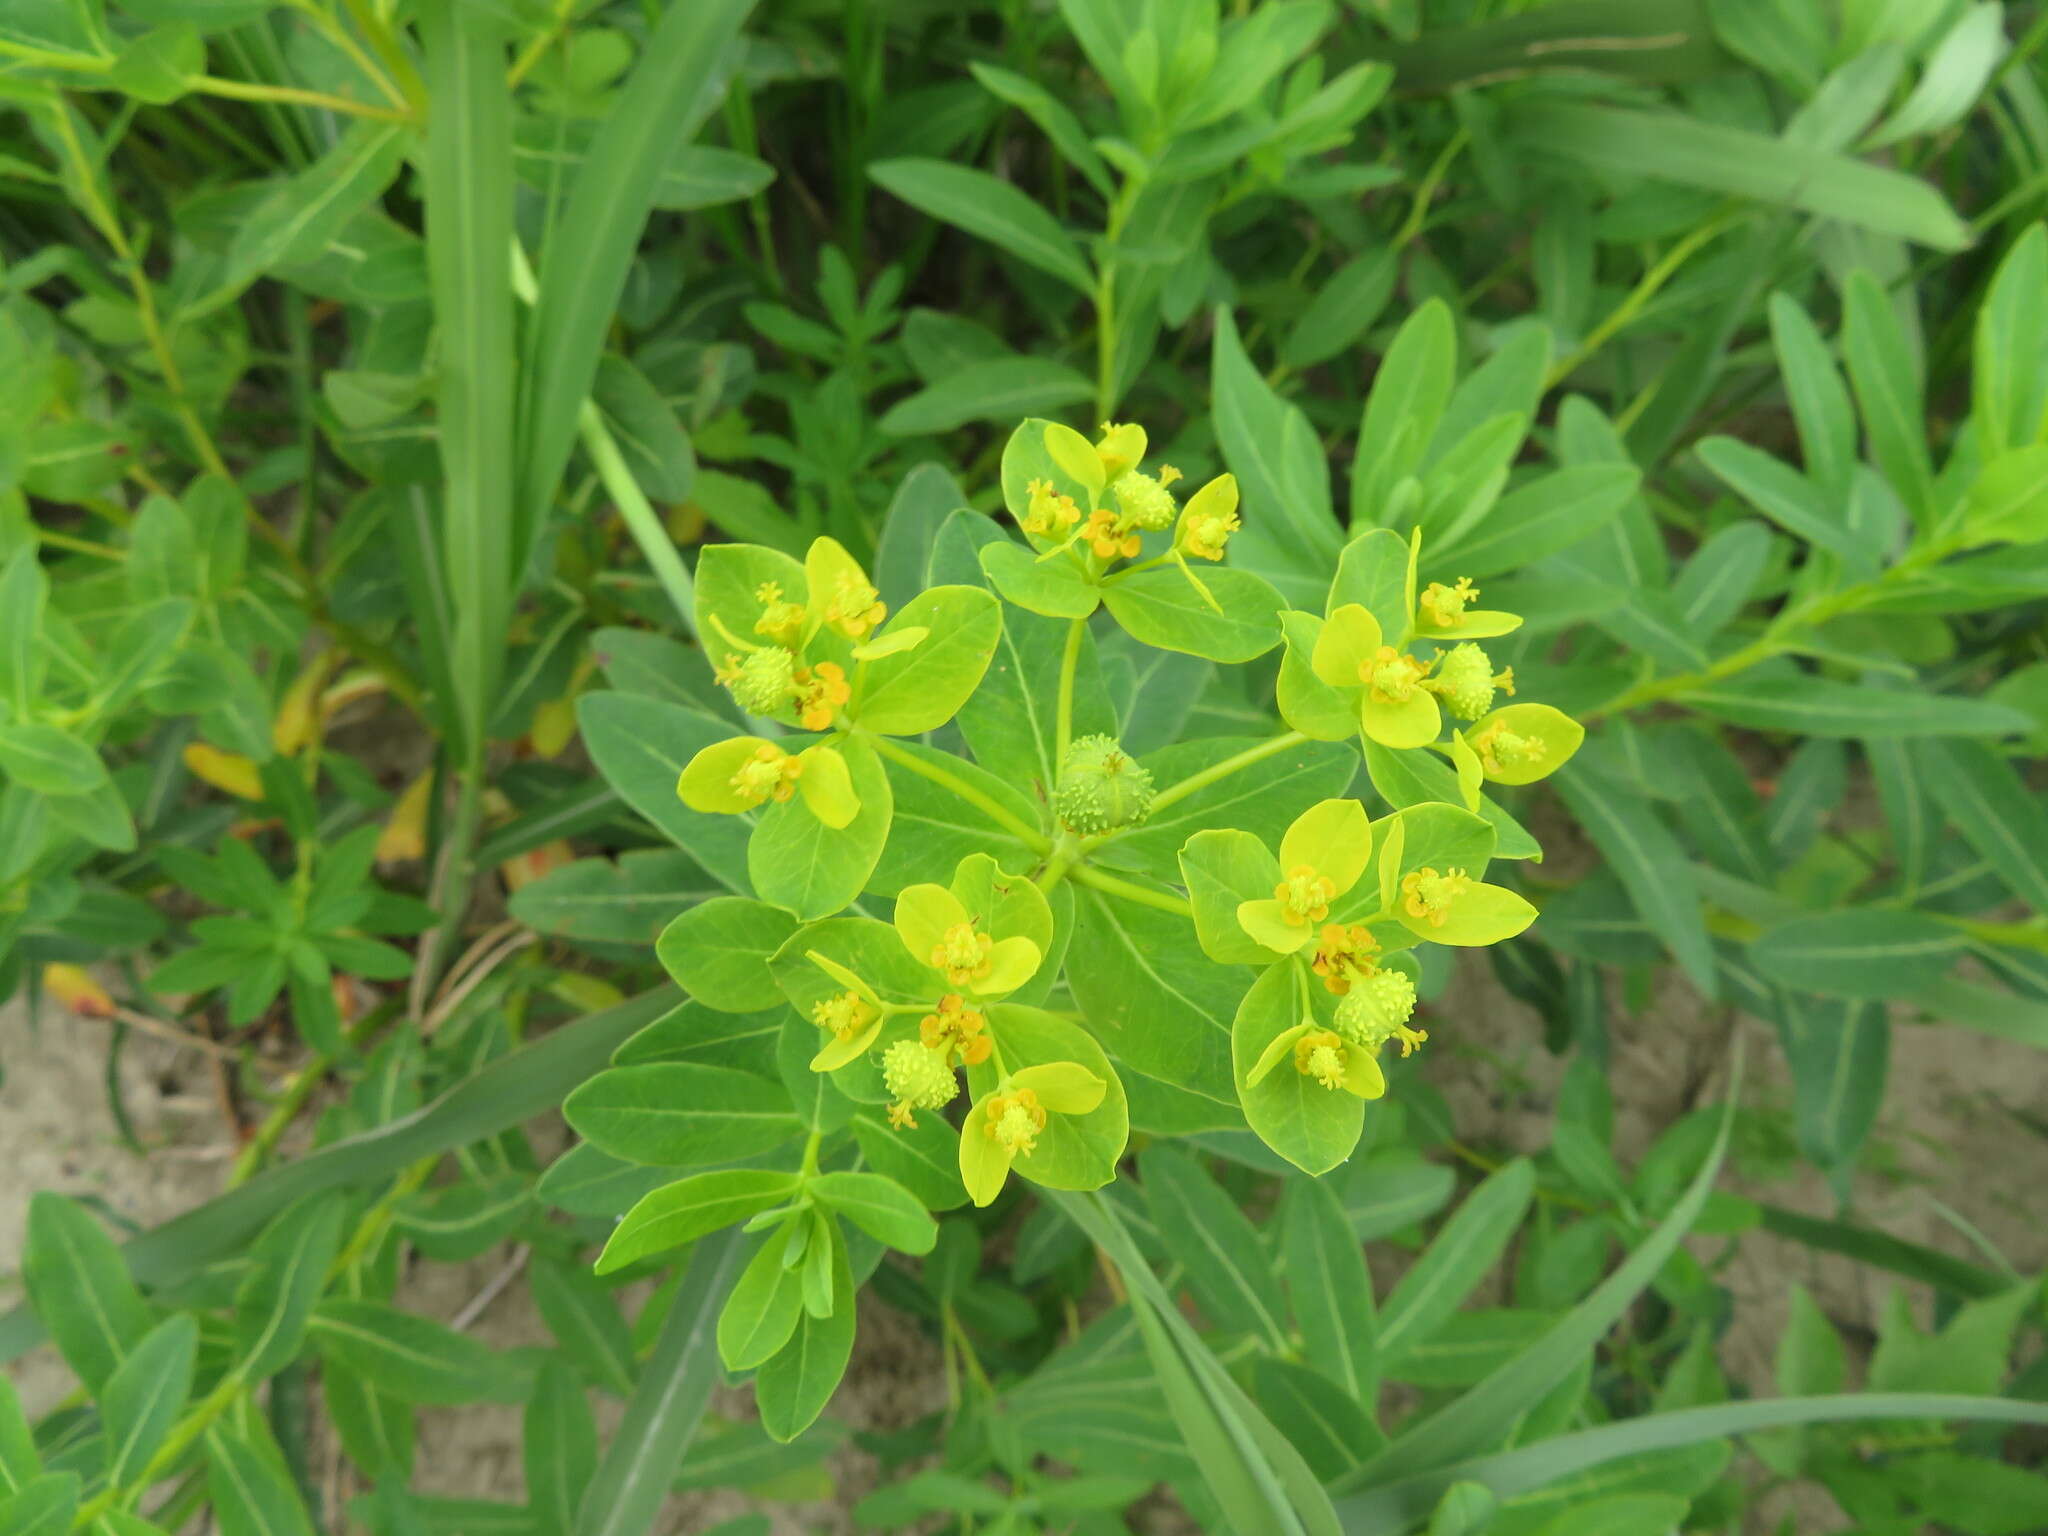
[(910, 692), (1056, 588), (1146, 989), (1783, 495), (1717, 158), (1457, 1259), (294, 224), (288, 1265), (2008, 376), (252, 1493), (988, 209), (1409, 392), (2009, 500), (1818, 706), (600, 902), (1162, 607), (1840, 1054), (413, 1358), (792, 1388), (1319, 1419), (1889, 392), (1261, 799), (761, 1313), (681, 1212), (1421, 778), (998, 389), (675, 1114), (1549, 514), (1222, 868), (145, 1397), (1330, 1288), (1819, 399), (1871, 952), (1648, 860), (1073, 1151), (1313, 1127), (718, 951), (19, 1460), (880, 1207), (1810, 1359), (1290, 532), (559, 1442), (1053, 117), (157, 67), (79, 1286), (44, 1506), (650, 437), (641, 747), (1343, 308), (798, 862), (925, 1159), (48, 760), (583, 1315), (24, 591), (1227, 1267), (1992, 807)]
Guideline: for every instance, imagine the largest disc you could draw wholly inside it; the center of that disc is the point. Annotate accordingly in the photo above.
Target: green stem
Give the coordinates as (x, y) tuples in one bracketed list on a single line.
[(1778, 637), (995, 810), (641, 519), (187, 1430), (1639, 297), (1224, 769), (1112, 885), (1069, 660)]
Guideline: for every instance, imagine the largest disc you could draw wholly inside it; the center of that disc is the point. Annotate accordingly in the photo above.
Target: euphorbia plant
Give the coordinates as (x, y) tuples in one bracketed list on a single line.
[(978, 831)]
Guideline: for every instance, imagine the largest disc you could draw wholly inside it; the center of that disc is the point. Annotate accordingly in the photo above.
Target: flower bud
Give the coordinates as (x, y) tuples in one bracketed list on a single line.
[(1101, 786), (1147, 503), (1377, 1010), (764, 682)]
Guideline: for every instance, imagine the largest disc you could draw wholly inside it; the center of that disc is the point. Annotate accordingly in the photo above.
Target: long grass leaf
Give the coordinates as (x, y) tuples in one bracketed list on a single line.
[(1399, 1506), (675, 1387), (583, 268), (469, 227)]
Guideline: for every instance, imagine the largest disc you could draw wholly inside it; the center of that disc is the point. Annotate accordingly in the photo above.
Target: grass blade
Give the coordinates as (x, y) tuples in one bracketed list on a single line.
[(675, 1387), (469, 227), (583, 267), (1398, 1506)]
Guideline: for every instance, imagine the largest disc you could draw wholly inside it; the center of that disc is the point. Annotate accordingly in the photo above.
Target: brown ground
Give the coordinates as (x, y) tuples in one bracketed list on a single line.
[(1948, 1136)]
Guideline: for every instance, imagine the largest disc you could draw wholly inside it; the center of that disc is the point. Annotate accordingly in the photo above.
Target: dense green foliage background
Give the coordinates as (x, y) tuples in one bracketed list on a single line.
[(375, 373)]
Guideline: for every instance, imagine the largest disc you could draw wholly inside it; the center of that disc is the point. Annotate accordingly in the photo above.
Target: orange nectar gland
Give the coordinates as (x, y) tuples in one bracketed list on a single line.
[(963, 955), (1304, 896), (1500, 749), (916, 1078), (821, 692), (1446, 605), (780, 621), (1109, 536), (844, 1014), (1392, 676), (1428, 895), (1321, 1054), (955, 1027), (1014, 1121), (1344, 955), (1049, 515), (855, 607), (770, 774)]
